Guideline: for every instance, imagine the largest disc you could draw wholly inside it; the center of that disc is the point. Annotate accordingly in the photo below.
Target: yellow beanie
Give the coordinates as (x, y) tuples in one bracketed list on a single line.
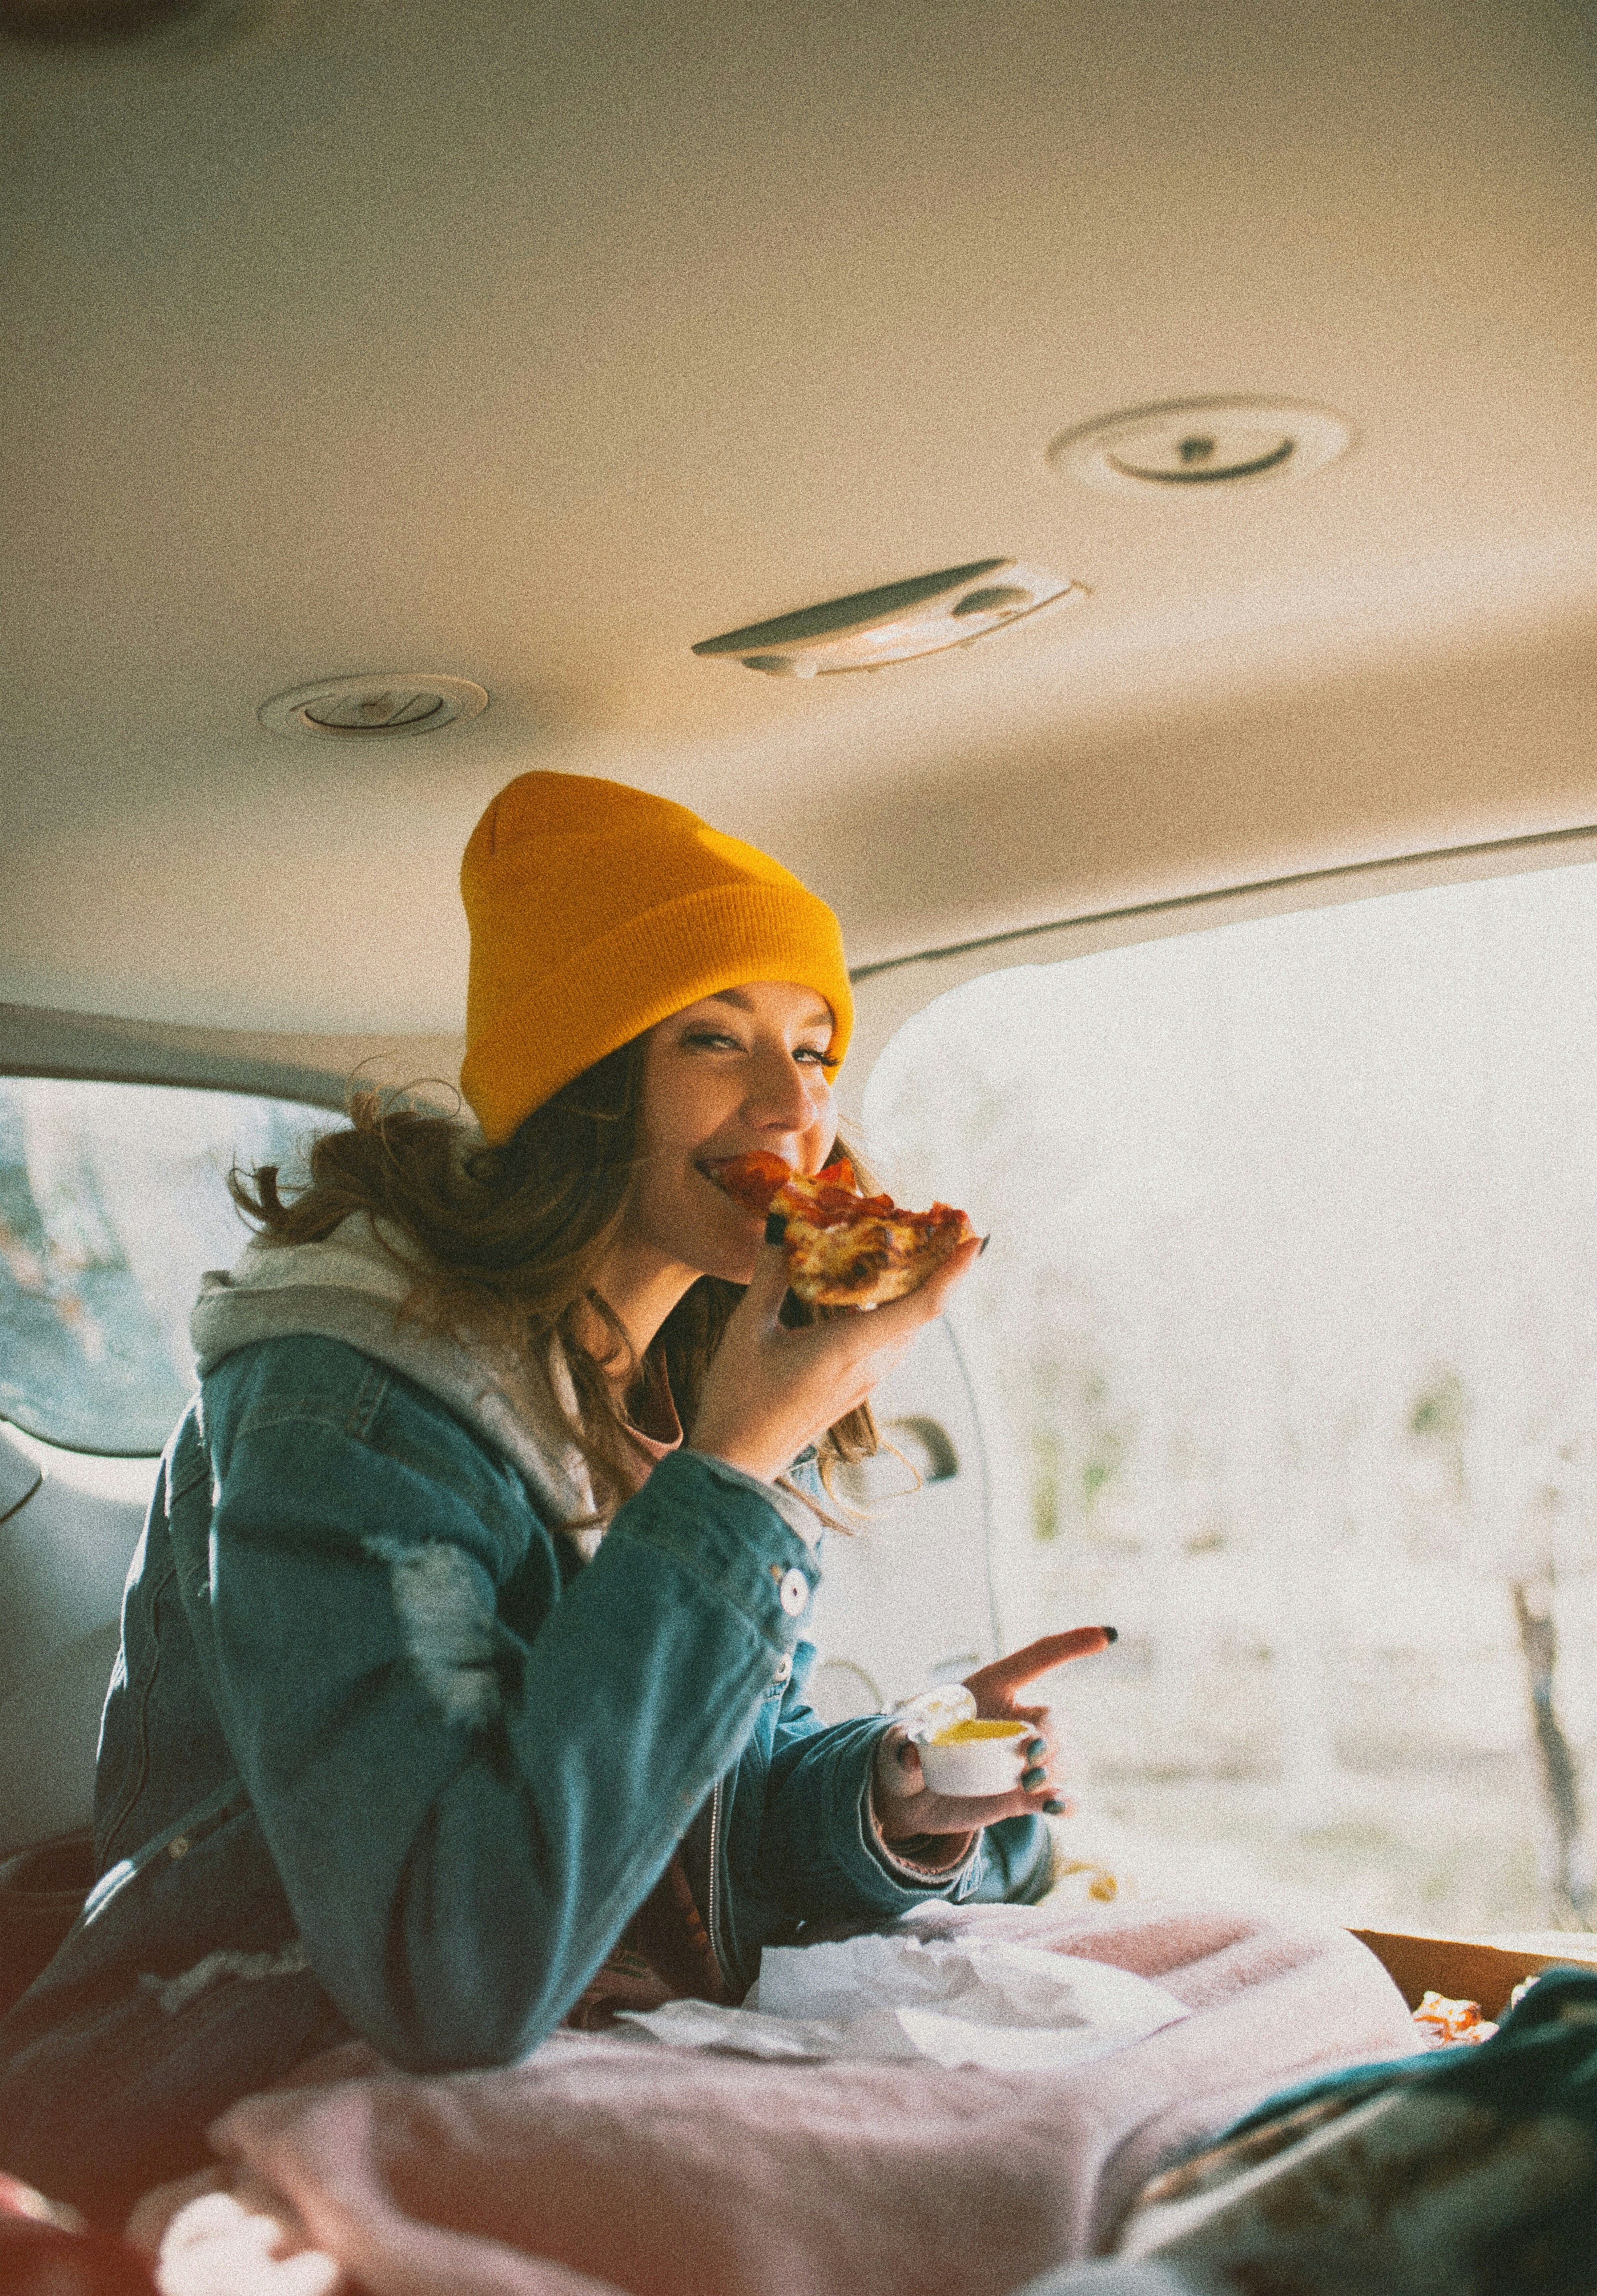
[(597, 910)]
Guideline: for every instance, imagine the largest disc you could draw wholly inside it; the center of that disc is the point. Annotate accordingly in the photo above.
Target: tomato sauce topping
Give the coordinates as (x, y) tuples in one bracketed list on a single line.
[(756, 1178)]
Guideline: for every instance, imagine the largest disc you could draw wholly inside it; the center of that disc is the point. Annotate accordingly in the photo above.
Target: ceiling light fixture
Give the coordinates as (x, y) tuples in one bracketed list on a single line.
[(362, 709), (898, 622), (1189, 445)]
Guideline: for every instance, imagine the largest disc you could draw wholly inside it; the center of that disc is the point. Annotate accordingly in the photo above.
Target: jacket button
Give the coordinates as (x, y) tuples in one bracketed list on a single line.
[(178, 1846), (794, 1591), (785, 1669)]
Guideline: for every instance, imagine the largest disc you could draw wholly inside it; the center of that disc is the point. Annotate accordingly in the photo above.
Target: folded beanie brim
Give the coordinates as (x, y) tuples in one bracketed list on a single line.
[(613, 987)]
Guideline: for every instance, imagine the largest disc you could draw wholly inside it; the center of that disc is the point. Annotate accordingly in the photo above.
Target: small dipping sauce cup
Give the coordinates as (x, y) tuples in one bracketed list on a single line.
[(974, 1757)]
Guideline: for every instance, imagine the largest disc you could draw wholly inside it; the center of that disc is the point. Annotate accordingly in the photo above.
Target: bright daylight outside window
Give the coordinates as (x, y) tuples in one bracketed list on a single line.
[(114, 1199), (1292, 1302)]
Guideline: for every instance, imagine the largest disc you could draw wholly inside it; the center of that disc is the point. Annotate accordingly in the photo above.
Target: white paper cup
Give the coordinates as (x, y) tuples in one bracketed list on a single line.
[(975, 1766)]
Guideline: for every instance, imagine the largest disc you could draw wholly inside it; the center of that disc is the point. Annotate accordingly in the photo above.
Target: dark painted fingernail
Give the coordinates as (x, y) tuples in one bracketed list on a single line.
[(984, 1241), (1054, 1807), (1036, 1746), (776, 1226), (1030, 1778), (1110, 1633)]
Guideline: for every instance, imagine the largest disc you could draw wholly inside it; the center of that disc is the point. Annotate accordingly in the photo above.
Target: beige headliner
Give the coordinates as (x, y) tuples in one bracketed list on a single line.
[(483, 340)]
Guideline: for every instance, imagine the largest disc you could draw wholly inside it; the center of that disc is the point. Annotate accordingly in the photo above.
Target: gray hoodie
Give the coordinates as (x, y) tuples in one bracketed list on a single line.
[(353, 1286)]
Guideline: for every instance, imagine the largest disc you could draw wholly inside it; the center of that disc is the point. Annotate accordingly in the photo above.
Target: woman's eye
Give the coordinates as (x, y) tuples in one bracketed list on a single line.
[(721, 1040)]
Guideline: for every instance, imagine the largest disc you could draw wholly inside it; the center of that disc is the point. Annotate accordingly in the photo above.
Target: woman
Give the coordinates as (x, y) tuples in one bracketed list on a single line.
[(459, 1694)]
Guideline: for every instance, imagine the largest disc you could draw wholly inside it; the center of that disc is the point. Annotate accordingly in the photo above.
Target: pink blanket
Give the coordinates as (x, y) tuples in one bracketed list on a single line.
[(606, 2164)]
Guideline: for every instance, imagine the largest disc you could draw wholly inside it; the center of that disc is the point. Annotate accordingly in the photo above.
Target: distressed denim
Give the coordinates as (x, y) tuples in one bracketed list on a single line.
[(382, 1755)]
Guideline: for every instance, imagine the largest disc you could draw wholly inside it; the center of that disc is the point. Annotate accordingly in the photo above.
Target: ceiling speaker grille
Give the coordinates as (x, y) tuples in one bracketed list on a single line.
[(1191, 446), (371, 708)]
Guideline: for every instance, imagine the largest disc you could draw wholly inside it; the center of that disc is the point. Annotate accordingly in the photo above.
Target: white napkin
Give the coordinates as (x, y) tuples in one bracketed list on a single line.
[(1013, 2008)]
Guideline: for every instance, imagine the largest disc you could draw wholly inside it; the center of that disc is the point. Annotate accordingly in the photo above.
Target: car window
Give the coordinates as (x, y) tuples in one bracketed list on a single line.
[(1292, 1300), (114, 1199)]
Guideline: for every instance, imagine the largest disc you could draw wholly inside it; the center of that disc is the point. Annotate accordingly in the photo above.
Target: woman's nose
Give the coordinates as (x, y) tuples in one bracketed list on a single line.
[(782, 1092)]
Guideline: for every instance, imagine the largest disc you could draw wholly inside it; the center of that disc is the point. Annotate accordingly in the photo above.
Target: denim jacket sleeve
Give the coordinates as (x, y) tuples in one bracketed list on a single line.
[(818, 1855), (470, 1763)]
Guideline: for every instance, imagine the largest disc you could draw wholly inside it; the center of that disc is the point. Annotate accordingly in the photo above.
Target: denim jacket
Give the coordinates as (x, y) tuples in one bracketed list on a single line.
[(384, 1754)]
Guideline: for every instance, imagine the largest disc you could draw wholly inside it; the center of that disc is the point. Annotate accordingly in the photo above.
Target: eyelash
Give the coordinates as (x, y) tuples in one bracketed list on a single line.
[(715, 1040)]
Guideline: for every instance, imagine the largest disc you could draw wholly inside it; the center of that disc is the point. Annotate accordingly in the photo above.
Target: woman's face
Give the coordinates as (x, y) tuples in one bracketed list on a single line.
[(742, 1070)]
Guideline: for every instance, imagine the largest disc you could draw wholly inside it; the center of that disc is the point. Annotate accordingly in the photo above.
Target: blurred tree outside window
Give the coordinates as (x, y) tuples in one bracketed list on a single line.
[(1292, 1303), (113, 1199)]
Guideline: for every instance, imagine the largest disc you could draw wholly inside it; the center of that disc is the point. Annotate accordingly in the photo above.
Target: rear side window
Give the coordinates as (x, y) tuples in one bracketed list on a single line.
[(1291, 1301), (113, 1199)]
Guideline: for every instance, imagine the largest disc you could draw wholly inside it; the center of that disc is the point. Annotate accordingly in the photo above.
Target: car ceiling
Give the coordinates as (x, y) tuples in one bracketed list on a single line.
[(532, 345)]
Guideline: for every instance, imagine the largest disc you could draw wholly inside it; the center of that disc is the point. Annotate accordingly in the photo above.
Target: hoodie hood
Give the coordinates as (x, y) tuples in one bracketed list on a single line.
[(353, 1286)]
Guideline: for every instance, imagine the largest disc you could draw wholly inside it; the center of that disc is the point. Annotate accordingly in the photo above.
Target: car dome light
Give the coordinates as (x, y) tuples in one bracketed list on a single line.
[(1189, 445), (898, 622), (363, 709)]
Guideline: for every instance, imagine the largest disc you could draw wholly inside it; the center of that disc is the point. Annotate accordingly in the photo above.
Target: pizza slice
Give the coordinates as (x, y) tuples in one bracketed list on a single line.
[(844, 1249)]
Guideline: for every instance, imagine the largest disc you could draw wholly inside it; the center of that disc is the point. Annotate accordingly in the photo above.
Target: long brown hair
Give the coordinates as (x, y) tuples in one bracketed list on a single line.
[(514, 1238)]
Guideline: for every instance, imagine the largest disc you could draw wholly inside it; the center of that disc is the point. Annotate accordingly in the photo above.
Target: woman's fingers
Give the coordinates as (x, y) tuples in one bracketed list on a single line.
[(927, 1300), (933, 1813), (772, 1389), (1039, 1754), (995, 1685), (767, 1287), (994, 1688), (905, 1776), (956, 1814), (905, 1811), (906, 1806), (881, 1335)]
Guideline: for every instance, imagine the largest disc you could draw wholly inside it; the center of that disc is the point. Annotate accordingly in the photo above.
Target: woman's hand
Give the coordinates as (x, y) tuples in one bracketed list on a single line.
[(771, 1390), (906, 1807)]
